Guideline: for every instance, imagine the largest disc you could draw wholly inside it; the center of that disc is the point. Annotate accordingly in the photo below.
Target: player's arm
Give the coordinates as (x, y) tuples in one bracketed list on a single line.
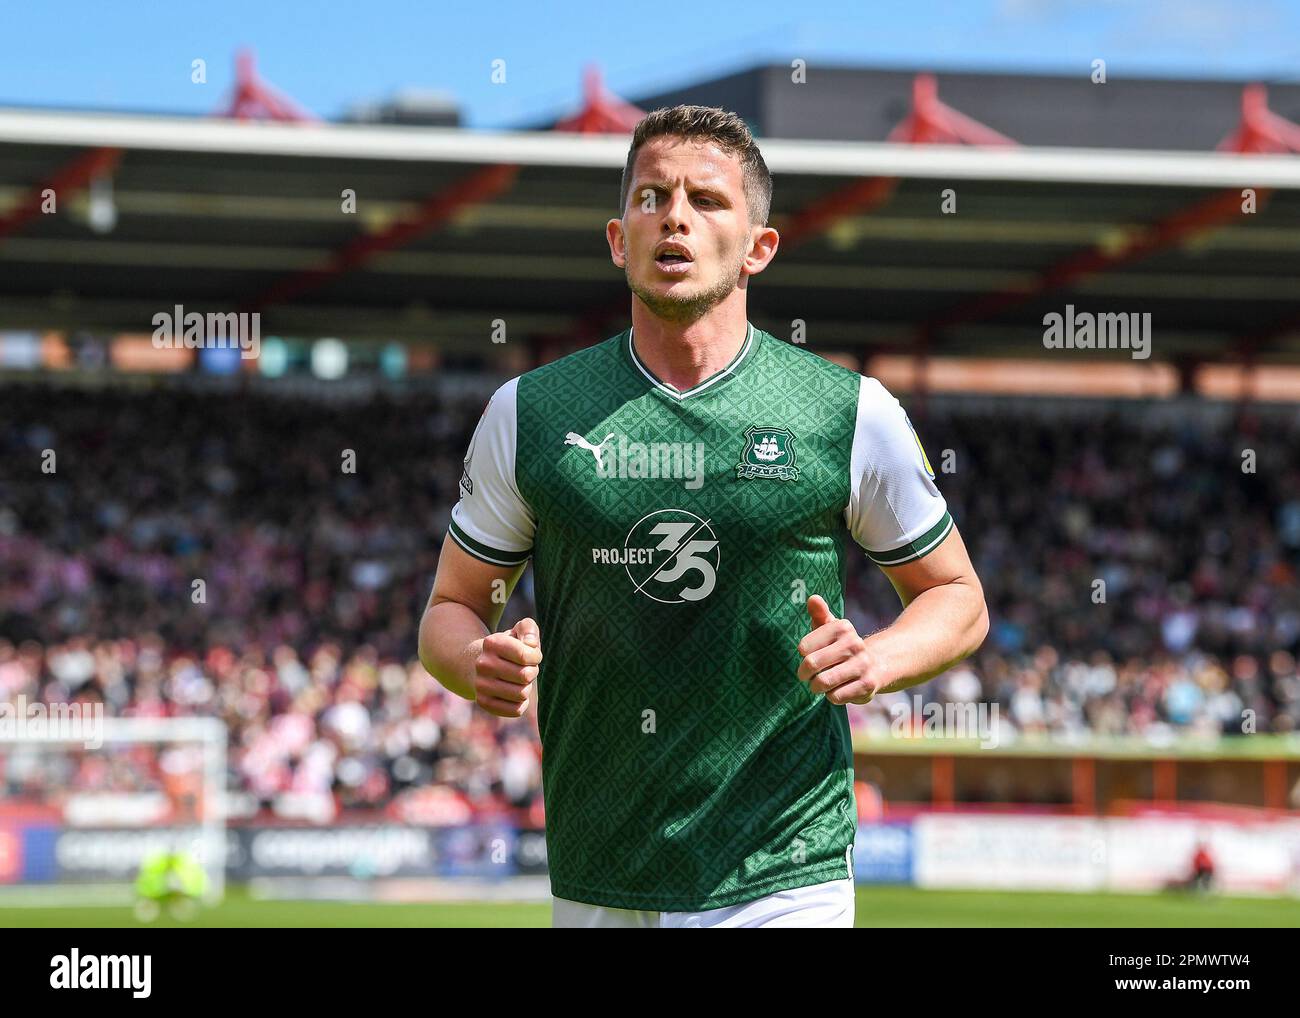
[(458, 645), (900, 519), (944, 618), (487, 547)]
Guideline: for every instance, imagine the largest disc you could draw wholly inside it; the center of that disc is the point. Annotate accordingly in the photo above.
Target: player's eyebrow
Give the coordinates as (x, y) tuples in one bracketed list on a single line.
[(710, 186)]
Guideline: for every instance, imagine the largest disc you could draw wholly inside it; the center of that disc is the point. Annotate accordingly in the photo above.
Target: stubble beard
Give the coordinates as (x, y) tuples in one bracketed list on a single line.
[(687, 307)]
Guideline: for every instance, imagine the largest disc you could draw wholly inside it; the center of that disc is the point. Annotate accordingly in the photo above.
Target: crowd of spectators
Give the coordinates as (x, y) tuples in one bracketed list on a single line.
[(266, 559)]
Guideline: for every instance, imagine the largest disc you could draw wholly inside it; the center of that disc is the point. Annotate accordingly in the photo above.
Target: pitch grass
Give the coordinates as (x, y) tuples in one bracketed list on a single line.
[(877, 907)]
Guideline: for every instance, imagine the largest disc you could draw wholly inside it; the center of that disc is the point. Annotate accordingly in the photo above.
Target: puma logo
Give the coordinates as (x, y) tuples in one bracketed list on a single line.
[(598, 451)]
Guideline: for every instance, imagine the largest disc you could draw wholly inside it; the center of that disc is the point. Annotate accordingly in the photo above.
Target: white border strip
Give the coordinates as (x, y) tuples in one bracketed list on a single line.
[(554, 148)]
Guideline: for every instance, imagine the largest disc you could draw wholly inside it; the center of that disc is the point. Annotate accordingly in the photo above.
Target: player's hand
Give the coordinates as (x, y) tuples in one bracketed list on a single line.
[(836, 660), (506, 668)]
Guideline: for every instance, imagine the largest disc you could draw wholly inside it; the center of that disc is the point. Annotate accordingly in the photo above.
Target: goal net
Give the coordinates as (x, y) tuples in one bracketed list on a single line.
[(85, 800)]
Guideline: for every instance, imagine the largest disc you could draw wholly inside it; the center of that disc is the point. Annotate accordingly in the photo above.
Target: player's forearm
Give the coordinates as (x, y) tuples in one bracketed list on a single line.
[(451, 636), (940, 627)]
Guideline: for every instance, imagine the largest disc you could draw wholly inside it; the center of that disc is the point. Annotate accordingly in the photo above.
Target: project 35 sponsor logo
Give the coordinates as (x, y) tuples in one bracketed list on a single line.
[(670, 556)]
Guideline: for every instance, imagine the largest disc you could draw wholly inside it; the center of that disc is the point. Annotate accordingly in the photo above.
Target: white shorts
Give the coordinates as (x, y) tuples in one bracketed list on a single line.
[(829, 905)]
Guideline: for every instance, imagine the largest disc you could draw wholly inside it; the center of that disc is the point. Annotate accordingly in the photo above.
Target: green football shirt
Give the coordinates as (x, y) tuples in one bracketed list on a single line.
[(675, 539)]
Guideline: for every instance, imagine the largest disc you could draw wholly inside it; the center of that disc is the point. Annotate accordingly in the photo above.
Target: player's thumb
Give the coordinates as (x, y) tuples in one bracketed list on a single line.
[(819, 611), (527, 631)]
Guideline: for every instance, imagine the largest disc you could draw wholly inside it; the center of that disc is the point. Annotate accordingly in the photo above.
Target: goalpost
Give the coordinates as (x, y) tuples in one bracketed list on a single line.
[(84, 800)]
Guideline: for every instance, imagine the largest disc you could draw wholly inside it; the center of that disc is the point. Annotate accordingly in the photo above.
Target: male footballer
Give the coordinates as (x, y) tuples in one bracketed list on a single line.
[(685, 490)]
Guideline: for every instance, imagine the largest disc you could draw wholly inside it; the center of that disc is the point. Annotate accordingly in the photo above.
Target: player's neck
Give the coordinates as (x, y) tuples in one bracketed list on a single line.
[(686, 355)]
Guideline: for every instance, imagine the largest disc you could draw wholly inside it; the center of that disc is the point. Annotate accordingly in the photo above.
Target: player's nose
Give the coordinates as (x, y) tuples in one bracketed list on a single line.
[(676, 214)]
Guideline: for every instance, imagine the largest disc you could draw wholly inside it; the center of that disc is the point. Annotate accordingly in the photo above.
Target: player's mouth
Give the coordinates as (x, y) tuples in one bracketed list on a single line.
[(674, 259)]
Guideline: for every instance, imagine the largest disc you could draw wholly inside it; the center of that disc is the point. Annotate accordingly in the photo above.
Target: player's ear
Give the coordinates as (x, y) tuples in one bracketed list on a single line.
[(763, 242), (617, 243)]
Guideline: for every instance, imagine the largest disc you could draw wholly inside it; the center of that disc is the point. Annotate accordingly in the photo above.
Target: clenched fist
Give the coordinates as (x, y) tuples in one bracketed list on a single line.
[(835, 658), (506, 668)]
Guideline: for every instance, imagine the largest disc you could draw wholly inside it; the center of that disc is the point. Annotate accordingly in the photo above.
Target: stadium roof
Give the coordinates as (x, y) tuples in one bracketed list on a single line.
[(455, 229), (864, 104)]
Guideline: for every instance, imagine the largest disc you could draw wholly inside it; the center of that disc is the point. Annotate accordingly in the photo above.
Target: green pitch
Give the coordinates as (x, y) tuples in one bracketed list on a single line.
[(877, 906)]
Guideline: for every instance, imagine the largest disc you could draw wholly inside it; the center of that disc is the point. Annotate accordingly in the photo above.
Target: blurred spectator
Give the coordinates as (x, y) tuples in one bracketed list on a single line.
[(209, 554)]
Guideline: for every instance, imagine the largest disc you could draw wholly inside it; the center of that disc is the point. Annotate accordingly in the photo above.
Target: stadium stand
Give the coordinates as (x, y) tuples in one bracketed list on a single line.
[(304, 641)]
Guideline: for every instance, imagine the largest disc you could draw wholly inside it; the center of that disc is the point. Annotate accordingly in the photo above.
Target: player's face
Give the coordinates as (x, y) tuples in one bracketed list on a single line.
[(685, 233)]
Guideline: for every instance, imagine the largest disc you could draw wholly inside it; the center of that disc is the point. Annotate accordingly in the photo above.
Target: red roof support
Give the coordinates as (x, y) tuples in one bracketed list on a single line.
[(481, 186), (934, 122), (930, 122), (1176, 228), (68, 180), (602, 113), (1260, 131), (254, 99)]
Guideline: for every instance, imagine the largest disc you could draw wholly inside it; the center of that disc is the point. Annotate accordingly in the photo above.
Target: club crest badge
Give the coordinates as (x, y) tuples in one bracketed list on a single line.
[(769, 452)]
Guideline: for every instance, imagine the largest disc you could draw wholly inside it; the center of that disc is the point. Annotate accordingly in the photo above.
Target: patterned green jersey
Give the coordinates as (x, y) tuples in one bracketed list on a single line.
[(675, 538)]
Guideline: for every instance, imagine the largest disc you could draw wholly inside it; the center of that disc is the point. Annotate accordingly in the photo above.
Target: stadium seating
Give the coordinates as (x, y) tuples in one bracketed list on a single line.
[(302, 635)]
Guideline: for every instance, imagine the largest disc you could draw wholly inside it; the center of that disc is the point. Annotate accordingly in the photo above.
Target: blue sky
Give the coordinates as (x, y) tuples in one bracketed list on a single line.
[(137, 56)]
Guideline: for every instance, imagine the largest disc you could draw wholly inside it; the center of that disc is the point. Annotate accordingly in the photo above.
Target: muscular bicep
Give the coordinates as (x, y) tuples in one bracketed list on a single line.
[(482, 587), (947, 563)]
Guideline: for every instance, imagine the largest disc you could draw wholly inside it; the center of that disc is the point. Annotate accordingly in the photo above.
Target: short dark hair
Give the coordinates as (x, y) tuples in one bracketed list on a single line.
[(726, 130)]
